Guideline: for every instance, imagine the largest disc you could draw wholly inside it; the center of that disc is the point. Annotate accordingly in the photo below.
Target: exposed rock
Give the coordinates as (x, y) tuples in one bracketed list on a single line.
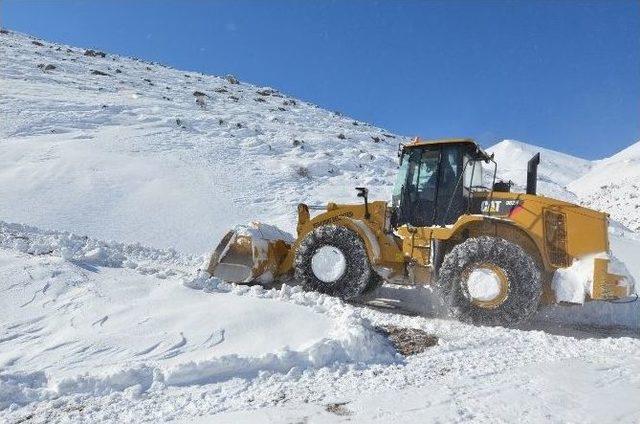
[(94, 72), (94, 53), (37, 43), (408, 341), (266, 92), (338, 409), (342, 136), (231, 79), (303, 172)]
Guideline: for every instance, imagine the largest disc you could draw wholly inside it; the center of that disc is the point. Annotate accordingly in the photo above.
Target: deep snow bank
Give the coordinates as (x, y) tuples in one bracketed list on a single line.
[(83, 317)]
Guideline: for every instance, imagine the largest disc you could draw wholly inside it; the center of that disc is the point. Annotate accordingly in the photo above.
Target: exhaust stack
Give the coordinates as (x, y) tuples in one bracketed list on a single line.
[(532, 174)]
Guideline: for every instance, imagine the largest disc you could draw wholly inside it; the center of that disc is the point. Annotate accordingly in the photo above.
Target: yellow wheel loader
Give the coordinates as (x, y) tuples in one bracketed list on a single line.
[(490, 253)]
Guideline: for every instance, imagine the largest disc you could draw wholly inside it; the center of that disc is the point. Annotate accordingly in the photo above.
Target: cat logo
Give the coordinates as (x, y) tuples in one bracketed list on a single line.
[(498, 207)]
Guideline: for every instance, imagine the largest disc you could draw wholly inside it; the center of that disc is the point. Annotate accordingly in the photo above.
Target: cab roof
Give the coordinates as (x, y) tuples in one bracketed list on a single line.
[(417, 142)]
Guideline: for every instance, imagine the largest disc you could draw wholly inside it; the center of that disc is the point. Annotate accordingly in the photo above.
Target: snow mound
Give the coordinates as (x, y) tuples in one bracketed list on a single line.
[(574, 283), (128, 320), (89, 251)]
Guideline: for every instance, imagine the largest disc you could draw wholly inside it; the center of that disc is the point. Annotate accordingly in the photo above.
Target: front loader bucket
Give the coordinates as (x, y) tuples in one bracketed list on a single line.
[(250, 253)]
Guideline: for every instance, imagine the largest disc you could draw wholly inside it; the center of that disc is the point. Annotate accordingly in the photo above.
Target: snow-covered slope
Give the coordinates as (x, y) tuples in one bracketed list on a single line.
[(613, 185), (98, 149)]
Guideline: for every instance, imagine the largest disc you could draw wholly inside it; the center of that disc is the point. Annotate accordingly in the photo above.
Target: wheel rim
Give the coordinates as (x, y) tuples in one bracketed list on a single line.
[(328, 263), (487, 285)]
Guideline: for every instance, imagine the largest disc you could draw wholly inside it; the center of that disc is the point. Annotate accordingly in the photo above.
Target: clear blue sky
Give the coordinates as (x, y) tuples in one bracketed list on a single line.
[(560, 74)]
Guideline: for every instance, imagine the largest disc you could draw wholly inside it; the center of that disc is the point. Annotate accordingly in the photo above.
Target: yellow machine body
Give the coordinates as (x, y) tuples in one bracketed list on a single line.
[(406, 255), (553, 232)]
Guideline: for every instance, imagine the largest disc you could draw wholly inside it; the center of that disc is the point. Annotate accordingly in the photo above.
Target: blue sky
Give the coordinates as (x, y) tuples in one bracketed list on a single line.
[(561, 74)]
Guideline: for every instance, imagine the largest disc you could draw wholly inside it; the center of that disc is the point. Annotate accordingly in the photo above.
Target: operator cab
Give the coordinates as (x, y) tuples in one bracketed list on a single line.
[(435, 181)]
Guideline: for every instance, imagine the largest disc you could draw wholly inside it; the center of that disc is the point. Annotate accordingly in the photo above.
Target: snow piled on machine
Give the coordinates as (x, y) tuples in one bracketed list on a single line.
[(575, 283)]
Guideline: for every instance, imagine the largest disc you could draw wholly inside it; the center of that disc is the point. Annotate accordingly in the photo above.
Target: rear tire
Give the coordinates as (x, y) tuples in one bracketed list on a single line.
[(346, 280), (517, 276)]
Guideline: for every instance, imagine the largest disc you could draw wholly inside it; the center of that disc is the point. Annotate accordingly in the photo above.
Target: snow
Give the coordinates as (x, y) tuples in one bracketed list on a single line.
[(124, 186), (483, 284), (328, 263), (574, 283), (613, 185), (97, 150), (97, 327)]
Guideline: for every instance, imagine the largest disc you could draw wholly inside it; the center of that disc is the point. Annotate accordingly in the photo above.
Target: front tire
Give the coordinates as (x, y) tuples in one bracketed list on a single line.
[(490, 281), (332, 259)]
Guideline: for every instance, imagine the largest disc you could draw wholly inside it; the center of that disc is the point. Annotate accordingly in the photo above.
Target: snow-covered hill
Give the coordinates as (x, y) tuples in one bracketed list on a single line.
[(91, 330), (98, 139)]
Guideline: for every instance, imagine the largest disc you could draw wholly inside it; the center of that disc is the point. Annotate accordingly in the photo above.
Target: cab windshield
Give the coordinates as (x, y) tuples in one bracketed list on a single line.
[(426, 183)]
